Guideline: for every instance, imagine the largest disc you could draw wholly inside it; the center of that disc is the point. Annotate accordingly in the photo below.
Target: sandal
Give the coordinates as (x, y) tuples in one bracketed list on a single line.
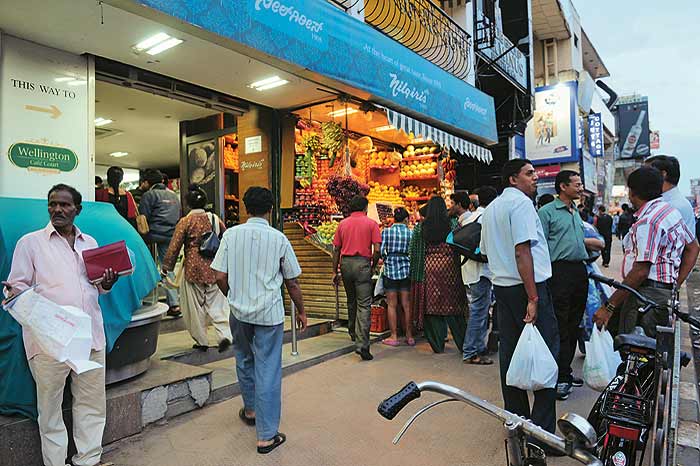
[(278, 440), (248, 420), (478, 360), (411, 341), (390, 342)]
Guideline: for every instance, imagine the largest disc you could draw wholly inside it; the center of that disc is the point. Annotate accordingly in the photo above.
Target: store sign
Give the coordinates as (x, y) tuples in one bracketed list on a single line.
[(595, 135), (41, 157), (253, 144), (633, 124), (552, 133), (590, 176), (548, 171), (655, 140), (45, 123), (512, 62), (322, 38)]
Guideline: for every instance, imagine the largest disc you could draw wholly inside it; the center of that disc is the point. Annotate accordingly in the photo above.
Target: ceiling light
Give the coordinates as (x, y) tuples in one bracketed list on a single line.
[(63, 79), (99, 121), (268, 83), (163, 46), (343, 112), (384, 128), (119, 154), (151, 41)]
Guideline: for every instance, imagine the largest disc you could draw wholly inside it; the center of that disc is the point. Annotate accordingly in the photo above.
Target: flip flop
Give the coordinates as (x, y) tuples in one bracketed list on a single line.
[(390, 342), (479, 361), (279, 439), (248, 420), (411, 341)]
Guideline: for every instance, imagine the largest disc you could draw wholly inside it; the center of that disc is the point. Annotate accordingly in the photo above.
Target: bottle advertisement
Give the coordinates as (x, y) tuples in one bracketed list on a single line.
[(633, 123)]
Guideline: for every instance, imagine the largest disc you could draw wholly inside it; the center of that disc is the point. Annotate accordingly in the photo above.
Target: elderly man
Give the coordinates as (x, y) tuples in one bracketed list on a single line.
[(51, 259), (251, 264)]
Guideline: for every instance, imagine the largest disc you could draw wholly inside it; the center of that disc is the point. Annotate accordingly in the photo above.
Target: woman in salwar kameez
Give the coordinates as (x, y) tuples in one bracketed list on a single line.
[(438, 294)]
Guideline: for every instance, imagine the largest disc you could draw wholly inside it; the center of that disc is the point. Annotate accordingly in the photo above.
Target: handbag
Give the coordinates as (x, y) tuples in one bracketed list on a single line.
[(211, 239), (141, 223)]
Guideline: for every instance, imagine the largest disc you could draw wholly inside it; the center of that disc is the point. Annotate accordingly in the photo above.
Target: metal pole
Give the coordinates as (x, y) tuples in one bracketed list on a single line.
[(295, 351)]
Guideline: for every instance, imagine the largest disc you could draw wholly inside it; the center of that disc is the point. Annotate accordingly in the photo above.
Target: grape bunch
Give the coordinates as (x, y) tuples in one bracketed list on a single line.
[(343, 188)]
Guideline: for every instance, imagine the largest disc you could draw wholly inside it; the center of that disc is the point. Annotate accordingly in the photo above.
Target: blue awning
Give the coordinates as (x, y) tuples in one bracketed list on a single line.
[(317, 36)]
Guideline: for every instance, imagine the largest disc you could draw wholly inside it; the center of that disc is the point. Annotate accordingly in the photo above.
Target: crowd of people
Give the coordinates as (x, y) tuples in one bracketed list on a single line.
[(529, 268)]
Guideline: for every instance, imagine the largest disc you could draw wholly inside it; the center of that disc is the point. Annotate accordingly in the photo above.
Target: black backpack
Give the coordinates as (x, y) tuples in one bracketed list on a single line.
[(465, 240), (211, 239)]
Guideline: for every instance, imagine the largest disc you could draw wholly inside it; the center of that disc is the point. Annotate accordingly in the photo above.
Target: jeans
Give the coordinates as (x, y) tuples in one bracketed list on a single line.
[(512, 303), (475, 342), (357, 280), (606, 250), (258, 350), (171, 296)]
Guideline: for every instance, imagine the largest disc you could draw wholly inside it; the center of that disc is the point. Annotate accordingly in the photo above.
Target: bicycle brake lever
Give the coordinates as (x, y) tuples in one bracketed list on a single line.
[(408, 423)]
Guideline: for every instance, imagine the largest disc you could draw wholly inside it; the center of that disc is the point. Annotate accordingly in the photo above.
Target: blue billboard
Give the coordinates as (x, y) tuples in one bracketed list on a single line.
[(322, 38)]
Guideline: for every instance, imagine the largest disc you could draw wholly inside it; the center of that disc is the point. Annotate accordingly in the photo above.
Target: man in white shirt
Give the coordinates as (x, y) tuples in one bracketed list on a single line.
[(251, 264), (513, 240)]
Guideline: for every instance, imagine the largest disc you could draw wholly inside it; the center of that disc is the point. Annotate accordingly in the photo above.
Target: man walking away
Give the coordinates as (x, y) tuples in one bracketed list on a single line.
[(51, 259), (625, 222), (357, 247), (657, 256), (605, 228), (251, 264), (478, 277), (513, 239), (563, 229), (162, 210)]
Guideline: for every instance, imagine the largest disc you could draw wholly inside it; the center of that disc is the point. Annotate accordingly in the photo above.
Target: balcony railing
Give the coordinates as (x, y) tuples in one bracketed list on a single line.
[(420, 26)]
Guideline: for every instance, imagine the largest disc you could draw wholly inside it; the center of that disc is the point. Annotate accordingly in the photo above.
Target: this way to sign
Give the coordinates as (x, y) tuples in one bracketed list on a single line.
[(53, 110)]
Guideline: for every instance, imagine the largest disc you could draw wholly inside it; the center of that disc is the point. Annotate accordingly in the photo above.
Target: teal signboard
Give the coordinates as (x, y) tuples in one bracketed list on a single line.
[(322, 38)]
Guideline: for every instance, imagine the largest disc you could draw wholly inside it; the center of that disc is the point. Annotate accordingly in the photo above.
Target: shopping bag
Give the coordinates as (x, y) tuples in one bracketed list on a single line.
[(532, 367), (600, 365), (379, 286)]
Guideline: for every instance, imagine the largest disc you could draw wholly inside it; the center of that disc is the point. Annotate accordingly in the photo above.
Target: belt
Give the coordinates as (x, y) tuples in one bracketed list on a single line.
[(654, 284)]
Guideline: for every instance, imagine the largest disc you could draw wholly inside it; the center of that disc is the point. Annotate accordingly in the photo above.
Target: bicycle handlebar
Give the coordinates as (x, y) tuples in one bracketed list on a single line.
[(390, 407), (685, 317)]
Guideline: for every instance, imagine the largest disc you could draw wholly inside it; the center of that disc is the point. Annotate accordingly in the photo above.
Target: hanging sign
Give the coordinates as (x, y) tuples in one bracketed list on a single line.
[(595, 135)]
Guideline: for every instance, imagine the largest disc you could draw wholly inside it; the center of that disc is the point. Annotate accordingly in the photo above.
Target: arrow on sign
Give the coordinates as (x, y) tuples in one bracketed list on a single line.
[(53, 110)]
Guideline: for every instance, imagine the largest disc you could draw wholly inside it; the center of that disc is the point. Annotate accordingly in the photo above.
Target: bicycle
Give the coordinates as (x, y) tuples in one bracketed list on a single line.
[(579, 435), (633, 404)]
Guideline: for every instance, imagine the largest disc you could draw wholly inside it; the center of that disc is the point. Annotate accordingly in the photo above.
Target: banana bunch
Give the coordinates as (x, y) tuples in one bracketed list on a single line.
[(332, 138)]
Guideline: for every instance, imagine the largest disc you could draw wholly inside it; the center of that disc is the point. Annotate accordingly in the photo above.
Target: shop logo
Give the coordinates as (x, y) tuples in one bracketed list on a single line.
[(400, 87), (290, 13), (474, 107), (551, 99), (256, 164), (619, 459), (42, 157)]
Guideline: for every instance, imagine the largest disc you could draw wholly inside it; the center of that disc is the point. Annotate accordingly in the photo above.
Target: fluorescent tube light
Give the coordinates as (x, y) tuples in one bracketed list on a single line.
[(151, 41), (99, 121), (384, 128), (343, 112), (119, 154), (63, 79), (163, 46), (279, 83)]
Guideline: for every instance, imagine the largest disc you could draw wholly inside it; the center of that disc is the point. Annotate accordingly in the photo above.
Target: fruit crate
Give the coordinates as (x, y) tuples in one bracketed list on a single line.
[(379, 322)]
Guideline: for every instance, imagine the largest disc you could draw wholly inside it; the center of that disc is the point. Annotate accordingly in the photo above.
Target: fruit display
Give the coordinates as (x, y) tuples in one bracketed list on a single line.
[(414, 192), (231, 157), (384, 159), (343, 188), (419, 169), (307, 210), (412, 151), (333, 139), (320, 184), (381, 193), (385, 212), (326, 231), (449, 168)]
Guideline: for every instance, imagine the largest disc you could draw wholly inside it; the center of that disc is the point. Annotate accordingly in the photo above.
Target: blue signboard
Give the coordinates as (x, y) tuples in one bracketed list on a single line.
[(322, 38), (595, 135)]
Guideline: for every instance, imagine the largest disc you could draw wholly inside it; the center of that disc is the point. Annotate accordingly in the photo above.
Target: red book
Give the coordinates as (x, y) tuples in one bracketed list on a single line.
[(113, 256)]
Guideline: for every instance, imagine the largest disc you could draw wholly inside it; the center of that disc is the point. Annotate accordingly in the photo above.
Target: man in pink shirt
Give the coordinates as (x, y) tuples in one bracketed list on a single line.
[(357, 246), (51, 259)]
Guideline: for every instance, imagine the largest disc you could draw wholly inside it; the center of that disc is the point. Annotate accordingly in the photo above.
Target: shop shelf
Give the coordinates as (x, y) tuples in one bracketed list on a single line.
[(416, 199), (420, 157), (390, 167), (420, 178)]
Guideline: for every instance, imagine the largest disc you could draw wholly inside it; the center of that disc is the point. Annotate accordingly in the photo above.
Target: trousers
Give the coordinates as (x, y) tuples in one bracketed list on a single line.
[(357, 280), (89, 410), (512, 304), (475, 341), (202, 304), (569, 288), (258, 350), (171, 295)]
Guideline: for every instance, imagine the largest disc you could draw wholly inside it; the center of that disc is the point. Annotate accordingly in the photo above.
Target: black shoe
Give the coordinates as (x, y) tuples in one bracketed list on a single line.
[(224, 345), (563, 390), (174, 312), (606, 265), (365, 354), (576, 382), (353, 338), (200, 347)]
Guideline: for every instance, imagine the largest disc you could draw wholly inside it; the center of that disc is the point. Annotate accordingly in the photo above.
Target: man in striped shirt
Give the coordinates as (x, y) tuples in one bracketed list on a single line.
[(251, 264), (656, 257)]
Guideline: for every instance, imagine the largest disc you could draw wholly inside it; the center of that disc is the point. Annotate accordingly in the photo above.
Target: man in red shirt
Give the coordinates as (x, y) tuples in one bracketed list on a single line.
[(357, 245)]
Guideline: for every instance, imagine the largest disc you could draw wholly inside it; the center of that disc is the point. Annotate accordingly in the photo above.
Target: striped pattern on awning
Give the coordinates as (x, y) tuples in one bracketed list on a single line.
[(420, 129)]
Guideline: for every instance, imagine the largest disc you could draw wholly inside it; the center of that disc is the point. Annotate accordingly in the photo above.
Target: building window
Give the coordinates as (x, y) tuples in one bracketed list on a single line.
[(575, 41)]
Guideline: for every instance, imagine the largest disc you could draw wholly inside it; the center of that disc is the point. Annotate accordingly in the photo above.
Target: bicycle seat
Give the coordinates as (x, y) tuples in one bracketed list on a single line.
[(630, 342)]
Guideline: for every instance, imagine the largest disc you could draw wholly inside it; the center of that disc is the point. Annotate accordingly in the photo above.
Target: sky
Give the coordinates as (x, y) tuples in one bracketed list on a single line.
[(652, 48)]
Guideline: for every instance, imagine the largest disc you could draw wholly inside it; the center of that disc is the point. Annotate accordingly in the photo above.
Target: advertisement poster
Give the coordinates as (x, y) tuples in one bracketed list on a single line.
[(595, 135), (552, 133), (655, 140), (590, 177), (633, 124)]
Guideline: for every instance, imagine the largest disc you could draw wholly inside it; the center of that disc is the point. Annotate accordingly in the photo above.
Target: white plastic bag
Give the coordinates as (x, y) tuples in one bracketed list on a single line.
[(600, 365), (532, 367)]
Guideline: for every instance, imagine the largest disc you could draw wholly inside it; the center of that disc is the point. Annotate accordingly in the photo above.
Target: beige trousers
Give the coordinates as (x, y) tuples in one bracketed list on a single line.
[(89, 410), (201, 304)]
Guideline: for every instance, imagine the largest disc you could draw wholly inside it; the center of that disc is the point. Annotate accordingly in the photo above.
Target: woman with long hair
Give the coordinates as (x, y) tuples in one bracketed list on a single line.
[(201, 301), (439, 296), (122, 200)]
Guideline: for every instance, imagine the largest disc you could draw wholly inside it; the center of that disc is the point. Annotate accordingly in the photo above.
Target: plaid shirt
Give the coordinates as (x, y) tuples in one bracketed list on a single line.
[(395, 248), (658, 236)]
